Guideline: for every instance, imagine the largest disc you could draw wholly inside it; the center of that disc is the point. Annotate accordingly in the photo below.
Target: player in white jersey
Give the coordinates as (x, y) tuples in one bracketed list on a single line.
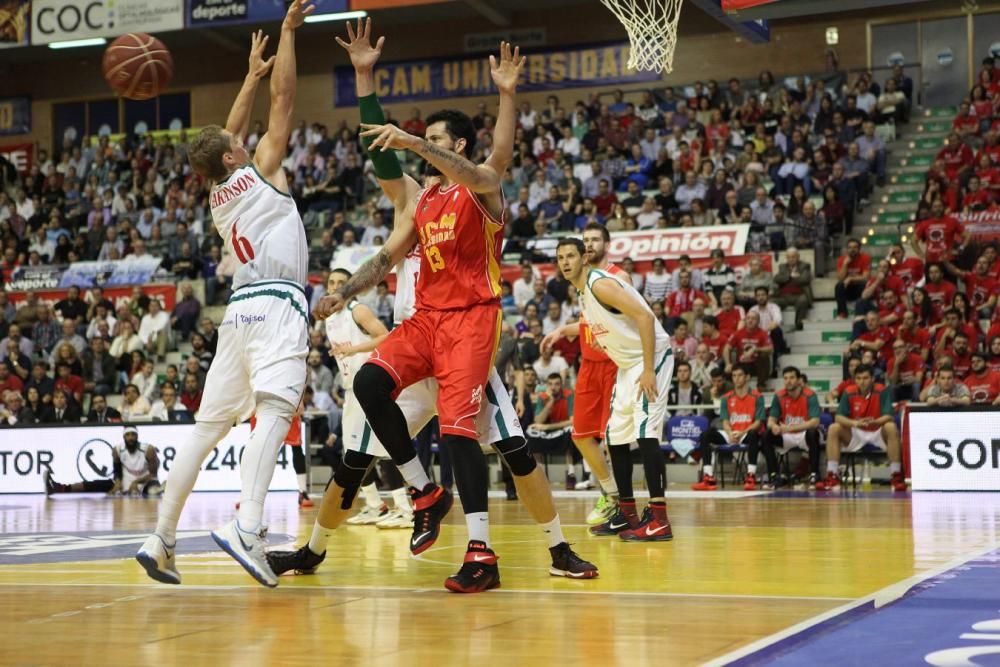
[(498, 425), (627, 330), (352, 328), (135, 466), (260, 366)]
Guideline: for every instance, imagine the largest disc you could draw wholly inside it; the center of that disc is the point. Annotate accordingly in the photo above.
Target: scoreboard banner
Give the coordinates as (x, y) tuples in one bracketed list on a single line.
[(15, 115), (83, 454), (955, 449), (464, 76)]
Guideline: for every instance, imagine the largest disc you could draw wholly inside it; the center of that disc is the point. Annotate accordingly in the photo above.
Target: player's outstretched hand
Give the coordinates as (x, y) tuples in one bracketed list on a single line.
[(341, 350), (297, 13), (647, 385), (359, 45), (508, 70), (388, 137), (551, 339), (259, 67), (329, 305)]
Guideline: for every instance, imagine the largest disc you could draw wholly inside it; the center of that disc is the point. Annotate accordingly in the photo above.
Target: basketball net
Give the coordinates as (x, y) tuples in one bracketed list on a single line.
[(652, 31)]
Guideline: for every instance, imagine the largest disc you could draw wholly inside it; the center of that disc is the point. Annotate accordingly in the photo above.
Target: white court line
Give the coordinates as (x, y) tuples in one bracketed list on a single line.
[(405, 589), (880, 597)]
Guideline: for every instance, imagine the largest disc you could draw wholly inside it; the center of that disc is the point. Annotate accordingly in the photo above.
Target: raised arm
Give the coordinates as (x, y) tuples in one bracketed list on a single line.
[(398, 187), (238, 122), (505, 75), (272, 146)]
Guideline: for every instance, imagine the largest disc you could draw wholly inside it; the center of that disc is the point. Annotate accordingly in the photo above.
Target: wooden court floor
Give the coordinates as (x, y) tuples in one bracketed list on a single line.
[(741, 568)]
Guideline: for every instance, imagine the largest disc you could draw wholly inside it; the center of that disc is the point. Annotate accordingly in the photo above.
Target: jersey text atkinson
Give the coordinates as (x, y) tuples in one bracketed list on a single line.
[(227, 192)]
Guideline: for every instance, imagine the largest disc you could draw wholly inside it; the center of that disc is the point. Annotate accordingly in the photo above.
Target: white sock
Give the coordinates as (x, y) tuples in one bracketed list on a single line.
[(707, 469), (895, 467), (320, 536), (609, 485), (303, 483), (553, 532), (414, 474), (833, 466), (184, 473), (372, 498), (401, 499), (752, 468), (259, 459), (478, 524)]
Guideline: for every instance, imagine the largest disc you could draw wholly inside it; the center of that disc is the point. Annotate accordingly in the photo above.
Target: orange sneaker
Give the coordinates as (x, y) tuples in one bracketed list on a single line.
[(750, 482), (707, 483), (831, 482), (898, 482)]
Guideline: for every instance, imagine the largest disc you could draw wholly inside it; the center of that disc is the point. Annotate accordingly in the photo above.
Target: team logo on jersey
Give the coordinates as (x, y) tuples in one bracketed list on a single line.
[(95, 460), (477, 395)]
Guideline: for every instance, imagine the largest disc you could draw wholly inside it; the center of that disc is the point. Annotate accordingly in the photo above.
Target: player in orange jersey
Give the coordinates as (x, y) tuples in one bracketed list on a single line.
[(452, 336)]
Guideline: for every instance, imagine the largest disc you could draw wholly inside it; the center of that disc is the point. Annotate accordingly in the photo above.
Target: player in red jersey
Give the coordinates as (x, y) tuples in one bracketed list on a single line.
[(940, 234), (452, 336), (864, 419), (742, 413), (594, 385), (793, 420)]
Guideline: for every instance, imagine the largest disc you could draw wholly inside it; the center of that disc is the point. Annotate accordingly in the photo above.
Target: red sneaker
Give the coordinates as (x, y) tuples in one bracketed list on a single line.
[(304, 500), (707, 483), (898, 482), (653, 530), (750, 482), (831, 482), (478, 573)]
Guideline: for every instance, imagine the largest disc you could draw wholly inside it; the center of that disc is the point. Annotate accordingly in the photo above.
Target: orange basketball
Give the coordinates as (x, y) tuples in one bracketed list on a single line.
[(138, 66)]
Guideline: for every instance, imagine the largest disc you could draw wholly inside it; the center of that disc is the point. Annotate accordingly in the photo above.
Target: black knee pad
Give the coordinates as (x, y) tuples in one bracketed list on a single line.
[(350, 473), (514, 452), (372, 384)]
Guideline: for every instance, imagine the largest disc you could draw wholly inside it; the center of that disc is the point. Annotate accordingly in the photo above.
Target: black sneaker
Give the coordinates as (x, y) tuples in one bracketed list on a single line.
[(52, 486), (303, 561), (565, 563), (429, 507), (478, 573), (612, 526)]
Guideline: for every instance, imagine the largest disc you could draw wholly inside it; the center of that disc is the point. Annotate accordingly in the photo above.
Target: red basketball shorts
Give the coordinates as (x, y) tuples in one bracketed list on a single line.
[(457, 348), (592, 403)]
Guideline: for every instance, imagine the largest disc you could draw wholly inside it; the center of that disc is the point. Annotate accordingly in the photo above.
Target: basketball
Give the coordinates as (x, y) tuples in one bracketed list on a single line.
[(137, 66)]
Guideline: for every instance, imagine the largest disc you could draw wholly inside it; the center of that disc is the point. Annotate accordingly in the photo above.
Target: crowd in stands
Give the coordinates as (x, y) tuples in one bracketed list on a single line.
[(794, 159)]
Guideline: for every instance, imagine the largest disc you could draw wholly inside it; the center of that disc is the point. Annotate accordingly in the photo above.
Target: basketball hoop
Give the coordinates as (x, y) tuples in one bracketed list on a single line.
[(652, 31)]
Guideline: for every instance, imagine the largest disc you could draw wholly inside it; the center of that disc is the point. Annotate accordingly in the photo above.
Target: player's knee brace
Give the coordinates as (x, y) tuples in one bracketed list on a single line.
[(349, 475), (514, 452), (372, 384)]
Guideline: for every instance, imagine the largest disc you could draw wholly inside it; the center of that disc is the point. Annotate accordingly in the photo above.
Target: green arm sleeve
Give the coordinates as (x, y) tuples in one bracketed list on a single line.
[(385, 162)]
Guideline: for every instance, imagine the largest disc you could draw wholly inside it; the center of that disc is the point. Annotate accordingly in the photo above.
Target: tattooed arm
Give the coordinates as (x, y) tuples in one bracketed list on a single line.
[(374, 271)]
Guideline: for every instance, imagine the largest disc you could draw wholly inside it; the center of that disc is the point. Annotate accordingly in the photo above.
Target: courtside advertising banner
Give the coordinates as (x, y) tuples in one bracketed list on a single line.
[(119, 296), (955, 450), (83, 454), (647, 245), (67, 20)]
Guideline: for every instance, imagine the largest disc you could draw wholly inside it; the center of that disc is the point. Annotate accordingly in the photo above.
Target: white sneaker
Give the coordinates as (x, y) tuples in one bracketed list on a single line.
[(396, 519), (158, 559), (368, 515), (248, 550), (585, 484)]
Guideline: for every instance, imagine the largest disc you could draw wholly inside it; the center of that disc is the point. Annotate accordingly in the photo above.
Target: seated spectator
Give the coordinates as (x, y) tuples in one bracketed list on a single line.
[(864, 419), (186, 313), (47, 333), (702, 365), (770, 316), (101, 413), (742, 416), (13, 411), (683, 391), (153, 330), (657, 284), (756, 277), (540, 297), (554, 318), (550, 432), (946, 391), (690, 190), (99, 368), (874, 336), (201, 351), (126, 342), (881, 280), (728, 315), (102, 325), (750, 346), (853, 270), (682, 299), (905, 372), (169, 409), (872, 148), (9, 381), (695, 318), (64, 411), (72, 306), (793, 283), (982, 382), (318, 376), (66, 353), (936, 238), (684, 345), (133, 404), (191, 395), (720, 276), (548, 364)]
